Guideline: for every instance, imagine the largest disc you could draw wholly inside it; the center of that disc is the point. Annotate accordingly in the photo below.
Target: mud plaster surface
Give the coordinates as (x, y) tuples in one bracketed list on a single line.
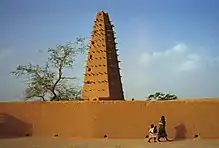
[(117, 119)]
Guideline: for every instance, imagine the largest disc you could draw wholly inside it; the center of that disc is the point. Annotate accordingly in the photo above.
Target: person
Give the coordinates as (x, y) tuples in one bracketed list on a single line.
[(152, 133), (155, 130), (162, 129)]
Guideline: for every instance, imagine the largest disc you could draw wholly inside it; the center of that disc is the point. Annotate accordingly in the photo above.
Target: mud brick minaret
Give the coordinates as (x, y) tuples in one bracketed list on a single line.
[(102, 79)]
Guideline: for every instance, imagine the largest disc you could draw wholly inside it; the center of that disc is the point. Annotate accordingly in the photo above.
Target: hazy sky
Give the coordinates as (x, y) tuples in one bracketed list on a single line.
[(164, 45)]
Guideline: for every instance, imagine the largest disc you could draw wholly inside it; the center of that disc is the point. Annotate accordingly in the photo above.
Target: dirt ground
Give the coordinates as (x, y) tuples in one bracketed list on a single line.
[(103, 143)]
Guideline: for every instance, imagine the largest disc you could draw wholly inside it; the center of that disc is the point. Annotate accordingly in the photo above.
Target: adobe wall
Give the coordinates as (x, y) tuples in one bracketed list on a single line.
[(117, 119)]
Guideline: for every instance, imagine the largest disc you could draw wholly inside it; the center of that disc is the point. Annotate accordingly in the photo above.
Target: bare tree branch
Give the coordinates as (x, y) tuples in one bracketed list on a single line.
[(47, 81)]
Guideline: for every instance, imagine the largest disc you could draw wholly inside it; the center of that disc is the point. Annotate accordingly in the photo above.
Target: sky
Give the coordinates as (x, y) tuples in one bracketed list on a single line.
[(169, 46)]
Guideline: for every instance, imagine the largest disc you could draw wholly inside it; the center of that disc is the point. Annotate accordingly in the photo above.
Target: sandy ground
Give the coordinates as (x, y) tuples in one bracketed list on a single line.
[(102, 143)]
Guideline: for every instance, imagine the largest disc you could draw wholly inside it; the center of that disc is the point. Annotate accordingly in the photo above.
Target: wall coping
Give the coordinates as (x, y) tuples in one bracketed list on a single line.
[(197, 100)]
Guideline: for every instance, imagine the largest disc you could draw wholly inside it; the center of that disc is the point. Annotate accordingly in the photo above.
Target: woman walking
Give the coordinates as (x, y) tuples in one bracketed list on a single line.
[(162, 129)]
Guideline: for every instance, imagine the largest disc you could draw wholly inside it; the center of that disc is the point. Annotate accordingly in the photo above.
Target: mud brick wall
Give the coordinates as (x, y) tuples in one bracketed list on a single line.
[(116, 119)]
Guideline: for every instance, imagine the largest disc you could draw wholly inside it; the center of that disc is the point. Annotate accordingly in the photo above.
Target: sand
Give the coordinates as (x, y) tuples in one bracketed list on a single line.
[(102, 143)]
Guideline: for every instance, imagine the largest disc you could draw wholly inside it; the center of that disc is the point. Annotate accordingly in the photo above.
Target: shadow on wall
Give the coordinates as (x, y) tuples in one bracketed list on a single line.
[(12, 127), (180, 132)]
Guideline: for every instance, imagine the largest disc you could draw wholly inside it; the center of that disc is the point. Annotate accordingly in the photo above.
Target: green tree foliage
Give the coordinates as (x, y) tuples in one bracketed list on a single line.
[(47, 81), (162, 96)]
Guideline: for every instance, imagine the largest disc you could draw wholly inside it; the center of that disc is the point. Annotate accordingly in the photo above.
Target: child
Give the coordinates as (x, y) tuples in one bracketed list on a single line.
[(152, 133)]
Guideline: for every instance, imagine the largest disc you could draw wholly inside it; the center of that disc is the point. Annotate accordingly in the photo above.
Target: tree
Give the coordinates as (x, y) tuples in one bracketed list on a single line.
[(47, 81), (162, 96)]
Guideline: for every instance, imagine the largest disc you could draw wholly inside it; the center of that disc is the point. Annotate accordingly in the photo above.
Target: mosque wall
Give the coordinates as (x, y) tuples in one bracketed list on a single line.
[(116, 119)]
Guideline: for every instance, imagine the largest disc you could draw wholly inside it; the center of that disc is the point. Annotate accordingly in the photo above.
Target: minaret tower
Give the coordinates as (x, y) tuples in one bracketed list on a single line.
[(102, 79)]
